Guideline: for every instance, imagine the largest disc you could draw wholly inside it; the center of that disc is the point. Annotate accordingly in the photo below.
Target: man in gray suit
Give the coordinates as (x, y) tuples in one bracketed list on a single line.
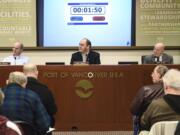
[(158, 56)]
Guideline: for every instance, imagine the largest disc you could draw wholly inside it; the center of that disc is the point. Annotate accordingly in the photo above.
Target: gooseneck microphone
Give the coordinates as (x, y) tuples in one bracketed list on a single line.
[(14, 60), (157, 60)]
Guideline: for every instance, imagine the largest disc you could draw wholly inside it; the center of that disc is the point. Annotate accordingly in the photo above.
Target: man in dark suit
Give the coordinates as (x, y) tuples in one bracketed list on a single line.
[(85, 54), (158, 56), (46, 96)]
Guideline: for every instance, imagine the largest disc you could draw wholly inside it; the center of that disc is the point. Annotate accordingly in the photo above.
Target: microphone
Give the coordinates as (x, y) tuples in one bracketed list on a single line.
[(157, 60), (14, 60)]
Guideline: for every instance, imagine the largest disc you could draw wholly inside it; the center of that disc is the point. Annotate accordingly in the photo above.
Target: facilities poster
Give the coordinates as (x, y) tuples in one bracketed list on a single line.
[(17, 22)]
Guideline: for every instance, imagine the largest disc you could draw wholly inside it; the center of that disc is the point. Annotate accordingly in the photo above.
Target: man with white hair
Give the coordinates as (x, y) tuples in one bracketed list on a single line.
[(17, 58), (168, 107), (21, 104), (158, 56)]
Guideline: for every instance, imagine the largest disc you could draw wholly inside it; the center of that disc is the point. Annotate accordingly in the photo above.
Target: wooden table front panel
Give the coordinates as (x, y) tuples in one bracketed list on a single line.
[(112, 88)]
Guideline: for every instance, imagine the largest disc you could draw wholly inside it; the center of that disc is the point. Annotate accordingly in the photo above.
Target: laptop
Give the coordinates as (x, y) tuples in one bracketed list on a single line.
[(55, 63), (4, 63), (128, 62)]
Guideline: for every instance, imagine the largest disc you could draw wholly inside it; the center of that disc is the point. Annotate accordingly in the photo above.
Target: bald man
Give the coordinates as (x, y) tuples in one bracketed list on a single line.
[(158, 56), (46, 96), (17, 58)]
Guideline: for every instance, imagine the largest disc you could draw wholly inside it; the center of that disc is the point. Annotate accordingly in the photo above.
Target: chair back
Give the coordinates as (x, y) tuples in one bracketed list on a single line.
[(142, 58), (162, 128), (26, 128)]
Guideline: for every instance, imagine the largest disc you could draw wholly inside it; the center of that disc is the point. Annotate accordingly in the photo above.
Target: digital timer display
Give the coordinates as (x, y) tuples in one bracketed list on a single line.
[(104, 22), (90, 10), (88, 13)]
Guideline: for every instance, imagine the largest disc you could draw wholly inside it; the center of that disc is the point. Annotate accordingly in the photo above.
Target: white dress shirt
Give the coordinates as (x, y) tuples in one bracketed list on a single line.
[(158, 59), (84, 57), (16, 60)]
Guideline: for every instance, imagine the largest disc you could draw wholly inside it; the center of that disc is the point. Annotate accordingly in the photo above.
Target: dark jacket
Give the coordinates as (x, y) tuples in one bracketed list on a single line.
[(92, 58), (166, 59), (144, 97), (45, 95), (163, 109)]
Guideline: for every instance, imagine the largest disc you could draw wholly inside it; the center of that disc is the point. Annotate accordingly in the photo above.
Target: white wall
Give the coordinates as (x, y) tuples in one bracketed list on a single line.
[(107, 57)]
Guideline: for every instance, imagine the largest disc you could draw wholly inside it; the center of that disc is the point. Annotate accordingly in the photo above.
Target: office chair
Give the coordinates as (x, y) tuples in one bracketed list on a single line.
[(26, 128), (161, 128), (142, 58)]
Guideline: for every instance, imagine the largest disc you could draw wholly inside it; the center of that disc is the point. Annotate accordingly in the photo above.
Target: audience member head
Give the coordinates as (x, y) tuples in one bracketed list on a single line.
[(1, 97), (30, 70), (17, 49), (18, 78), (158, 72), (158, 49), (84, 45), (172, 82)]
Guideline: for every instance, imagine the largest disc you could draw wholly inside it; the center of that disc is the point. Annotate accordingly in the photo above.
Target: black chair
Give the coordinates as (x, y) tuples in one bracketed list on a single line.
[(142, 58), (26, 128), (177, 132)]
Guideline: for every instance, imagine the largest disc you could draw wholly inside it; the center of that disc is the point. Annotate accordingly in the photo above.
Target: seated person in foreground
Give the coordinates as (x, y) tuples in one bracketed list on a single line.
[(168, 107), (148, 93), (158, 56), (21, 104), (46, 96), (17, 58), (85, 54), (7, 127)]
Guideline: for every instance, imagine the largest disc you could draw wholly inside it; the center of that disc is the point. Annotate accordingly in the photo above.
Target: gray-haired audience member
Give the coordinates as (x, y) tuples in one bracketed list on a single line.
[(21, 104), (158, 56), (148, 93), (17, 58), (7, 127), (168, 107)]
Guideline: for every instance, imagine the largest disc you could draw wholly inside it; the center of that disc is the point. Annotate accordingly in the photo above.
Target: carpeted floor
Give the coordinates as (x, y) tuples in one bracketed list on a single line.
[(95, 133)]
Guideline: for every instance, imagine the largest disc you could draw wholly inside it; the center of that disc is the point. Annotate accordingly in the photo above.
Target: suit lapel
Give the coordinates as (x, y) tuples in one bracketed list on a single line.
[(80, 57), (163, 57), (90, 57)]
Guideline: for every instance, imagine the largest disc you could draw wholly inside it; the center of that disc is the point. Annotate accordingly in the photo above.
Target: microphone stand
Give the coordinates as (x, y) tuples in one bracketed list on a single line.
[(14, 60)]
